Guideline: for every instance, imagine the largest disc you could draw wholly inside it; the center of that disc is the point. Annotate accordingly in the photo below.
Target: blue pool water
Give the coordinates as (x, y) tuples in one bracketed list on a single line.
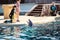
[(29, 33), (45, 31)]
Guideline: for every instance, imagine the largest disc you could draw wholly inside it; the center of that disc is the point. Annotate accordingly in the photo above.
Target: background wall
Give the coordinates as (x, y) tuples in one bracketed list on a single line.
[(7, 1), (26, 1), (39, 1)]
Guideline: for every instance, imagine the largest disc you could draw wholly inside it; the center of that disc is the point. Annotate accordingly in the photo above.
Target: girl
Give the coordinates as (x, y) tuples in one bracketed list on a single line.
[(17, 9)]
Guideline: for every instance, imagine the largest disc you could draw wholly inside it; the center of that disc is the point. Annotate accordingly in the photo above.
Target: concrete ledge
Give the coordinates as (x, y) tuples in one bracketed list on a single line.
[(36, 20)]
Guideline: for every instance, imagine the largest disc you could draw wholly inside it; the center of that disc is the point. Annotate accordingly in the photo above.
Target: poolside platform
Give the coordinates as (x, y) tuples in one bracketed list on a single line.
[(35, 20)]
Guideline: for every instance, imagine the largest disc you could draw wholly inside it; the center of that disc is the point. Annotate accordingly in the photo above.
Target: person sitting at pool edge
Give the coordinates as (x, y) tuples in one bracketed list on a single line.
[(53, 9), (11, 15)]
